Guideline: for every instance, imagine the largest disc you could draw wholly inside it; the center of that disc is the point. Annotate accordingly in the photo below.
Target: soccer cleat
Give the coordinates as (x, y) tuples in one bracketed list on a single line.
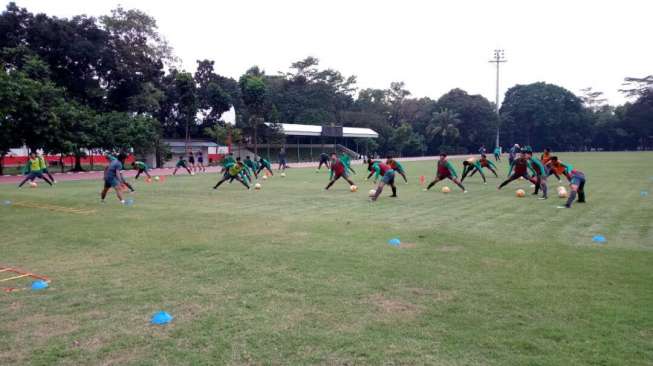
[(122, 202), (542, 198), (562, 207)]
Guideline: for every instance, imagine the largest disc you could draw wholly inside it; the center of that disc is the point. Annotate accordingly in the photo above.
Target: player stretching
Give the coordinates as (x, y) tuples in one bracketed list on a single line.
[(264, 164), (142, 168), (486, 163), (557, 167), (577, 186), (387, 178), (234, 171), (113, 177), (445, 171), (181, 163), (324, 159), (33, 170), (541, 174), (347, 161), (397, 167), (338, 170), (44, 168), (251, 164), (519, 168), (472, 165)]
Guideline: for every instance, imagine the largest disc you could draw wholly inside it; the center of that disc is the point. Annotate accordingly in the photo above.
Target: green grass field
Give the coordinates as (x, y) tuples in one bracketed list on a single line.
[(295, 275)]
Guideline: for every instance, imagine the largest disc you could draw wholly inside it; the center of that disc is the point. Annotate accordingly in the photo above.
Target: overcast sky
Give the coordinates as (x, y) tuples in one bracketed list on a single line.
[(433, 46)]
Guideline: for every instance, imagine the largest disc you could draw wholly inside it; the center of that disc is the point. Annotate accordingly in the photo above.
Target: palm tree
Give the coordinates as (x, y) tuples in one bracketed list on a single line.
[(444, 124)]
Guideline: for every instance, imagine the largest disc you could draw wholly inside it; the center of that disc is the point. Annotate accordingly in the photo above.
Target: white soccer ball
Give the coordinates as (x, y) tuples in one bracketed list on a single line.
[(257, 186), (372, 192), (562, 192), (446, 189), (353, 188), (265, 177), (283, 175), (157, 178), (192, 173)]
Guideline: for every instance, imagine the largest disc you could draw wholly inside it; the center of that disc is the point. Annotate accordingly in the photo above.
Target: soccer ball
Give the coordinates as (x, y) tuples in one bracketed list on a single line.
[(562, 192), (283, 174), (257, 186), (446, 189), (520, 193), (353, 188), (157, 178), (265, 177), (372, 192), (33, 184), (192, 173)]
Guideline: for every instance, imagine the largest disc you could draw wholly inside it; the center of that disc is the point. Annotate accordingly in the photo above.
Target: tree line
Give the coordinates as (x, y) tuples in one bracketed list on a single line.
[(113, 83)]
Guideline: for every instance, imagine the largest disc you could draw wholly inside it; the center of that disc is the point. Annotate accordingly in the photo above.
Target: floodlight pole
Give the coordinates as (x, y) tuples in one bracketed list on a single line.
[(498, 59)]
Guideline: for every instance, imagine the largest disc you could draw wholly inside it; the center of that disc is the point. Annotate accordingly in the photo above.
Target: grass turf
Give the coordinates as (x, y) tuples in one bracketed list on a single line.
[(296, 275)]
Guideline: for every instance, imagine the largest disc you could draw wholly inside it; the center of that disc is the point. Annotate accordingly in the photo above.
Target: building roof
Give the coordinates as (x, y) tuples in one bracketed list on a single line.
[(290, 129), (191, 143)]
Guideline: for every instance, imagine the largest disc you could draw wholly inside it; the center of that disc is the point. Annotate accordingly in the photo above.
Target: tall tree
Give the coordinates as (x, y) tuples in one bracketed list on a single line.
[(545, 115), (255, 98), (444, 125)]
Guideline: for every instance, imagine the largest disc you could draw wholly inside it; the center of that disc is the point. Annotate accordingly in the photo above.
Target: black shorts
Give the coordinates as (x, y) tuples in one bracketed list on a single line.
[(191, 160)]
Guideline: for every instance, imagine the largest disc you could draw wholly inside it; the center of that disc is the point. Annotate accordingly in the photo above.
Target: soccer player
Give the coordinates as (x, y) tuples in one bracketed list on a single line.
[(233, 172), (282, 160), (33, 170), (347, 161), (577, 186), (44, 168), (482, 150), (519, 168), (512, 153), (264, 164), (113, 177), (472, 165), (324, 159), (244, 173), (497, 153), (142, 168), (557, 167), (200, 161), (338, 170), (445, 171), (251, 164), (546, 155), (181, 163), (387, 178), (541, 174), (397, 167), (191, 160), (486, 163)]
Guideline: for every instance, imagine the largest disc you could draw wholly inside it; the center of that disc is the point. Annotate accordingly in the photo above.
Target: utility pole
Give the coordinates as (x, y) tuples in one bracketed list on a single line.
[(498, 59)]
